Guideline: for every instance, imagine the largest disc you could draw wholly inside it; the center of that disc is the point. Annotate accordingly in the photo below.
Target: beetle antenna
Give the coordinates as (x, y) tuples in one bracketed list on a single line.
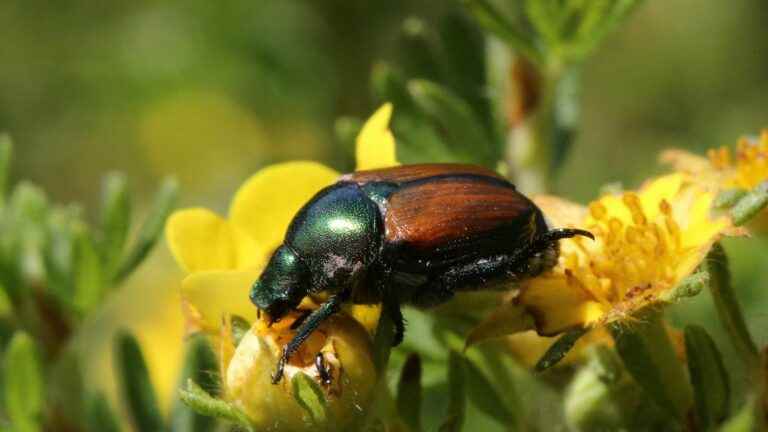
[(563, 233)]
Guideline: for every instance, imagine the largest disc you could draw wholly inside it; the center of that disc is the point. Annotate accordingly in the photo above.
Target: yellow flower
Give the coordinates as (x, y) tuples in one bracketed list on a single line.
[(723, 169), (347, 355), (646, 243), (223, 257)]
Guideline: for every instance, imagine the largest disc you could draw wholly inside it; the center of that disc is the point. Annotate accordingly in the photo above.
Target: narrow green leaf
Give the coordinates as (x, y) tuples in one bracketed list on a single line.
[(464, 56), (150, 231), (100, 416), (492, 20), (460, 127), (691, 286), (559, 349), (23, 382), (711, 387), (457, 404), (417, 50), (727, 305), (728, 198), (202, 402), (649, 356), (115, 220), (89, 278), (6, 307), (6, 152), (545, 19), (508, 318), (746, 420), (749, 206), (135, 385), (346, 130), (308, 394), (409, 392), (482, 392), (390, 85), (199, 366), (240, 328)]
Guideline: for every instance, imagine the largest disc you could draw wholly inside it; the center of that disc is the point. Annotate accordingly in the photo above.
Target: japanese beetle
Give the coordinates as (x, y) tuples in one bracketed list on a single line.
[(411, 234)]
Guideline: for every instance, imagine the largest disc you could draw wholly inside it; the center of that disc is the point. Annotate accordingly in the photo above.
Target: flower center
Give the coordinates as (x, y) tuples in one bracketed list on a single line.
[(631, 262), (750, 167)]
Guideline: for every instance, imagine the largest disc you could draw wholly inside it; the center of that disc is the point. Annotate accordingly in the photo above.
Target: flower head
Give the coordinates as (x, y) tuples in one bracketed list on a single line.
[(646, 243), (740, 177), (345, 347), (223, 257), (745, 168)]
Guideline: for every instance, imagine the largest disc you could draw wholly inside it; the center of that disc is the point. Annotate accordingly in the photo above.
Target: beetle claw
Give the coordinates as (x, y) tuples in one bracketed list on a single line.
[(322, 369)]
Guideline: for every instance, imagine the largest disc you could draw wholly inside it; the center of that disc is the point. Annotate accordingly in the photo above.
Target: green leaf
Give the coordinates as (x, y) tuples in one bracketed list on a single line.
[(409, 392), (135, 385), (200, 367), (728, 198), (483, 394), (240, 327), (691, 286), (457, 404), (346, 129), (746, 420), (508, 318), (202, 402), (711, 387), (492, 20), (6, 151), (6, 307), (648, 355), (100, 416), (417, 50), (23, 382), (460, 127), (559, 349), (309, 396), (89, 278), (727, 305), (749, 206), (165, 201), (390, 85), (115, 220)]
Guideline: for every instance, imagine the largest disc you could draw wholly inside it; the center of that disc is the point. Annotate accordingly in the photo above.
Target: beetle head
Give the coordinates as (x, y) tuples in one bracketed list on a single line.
[(281, 286)]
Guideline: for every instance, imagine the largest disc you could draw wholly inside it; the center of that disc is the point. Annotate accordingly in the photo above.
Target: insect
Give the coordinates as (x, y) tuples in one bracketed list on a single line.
[(413, 234)]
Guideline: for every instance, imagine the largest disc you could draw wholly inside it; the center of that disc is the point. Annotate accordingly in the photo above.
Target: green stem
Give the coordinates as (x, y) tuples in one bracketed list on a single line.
[(728, 308), (541, 114), (648, 354)]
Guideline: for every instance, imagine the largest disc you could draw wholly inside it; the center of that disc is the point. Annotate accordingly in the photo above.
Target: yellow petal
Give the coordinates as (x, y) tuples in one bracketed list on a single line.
[(266, 203), (560, 212), (201, 240), (216, 294), (656, 190), (375, 144), (557, 306), (685, 161)]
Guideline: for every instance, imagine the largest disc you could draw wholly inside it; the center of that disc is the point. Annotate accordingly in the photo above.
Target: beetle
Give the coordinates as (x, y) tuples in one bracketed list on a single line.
[(412, 234)]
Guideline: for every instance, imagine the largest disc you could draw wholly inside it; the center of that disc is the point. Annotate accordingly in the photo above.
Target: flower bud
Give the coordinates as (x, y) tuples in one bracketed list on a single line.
[(347, 356)]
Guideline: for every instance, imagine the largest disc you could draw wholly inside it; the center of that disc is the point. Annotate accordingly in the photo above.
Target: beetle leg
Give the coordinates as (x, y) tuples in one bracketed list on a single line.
[(300, 320), (392, 308), (322, 369), (320, 314)]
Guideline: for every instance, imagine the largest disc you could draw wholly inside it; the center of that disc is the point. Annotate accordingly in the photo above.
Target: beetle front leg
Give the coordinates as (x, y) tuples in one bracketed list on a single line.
[(322, 313), (392, 308)]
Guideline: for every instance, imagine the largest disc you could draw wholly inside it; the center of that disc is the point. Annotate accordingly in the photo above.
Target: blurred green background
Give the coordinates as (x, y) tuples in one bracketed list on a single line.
[(211, 91)]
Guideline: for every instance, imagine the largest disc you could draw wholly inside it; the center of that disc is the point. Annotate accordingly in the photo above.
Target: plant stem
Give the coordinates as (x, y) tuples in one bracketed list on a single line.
[(728, 308), (648, 354), (539, 112)]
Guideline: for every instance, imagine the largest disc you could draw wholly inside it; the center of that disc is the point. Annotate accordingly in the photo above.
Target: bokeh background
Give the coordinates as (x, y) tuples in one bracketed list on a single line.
[(211, 91)]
